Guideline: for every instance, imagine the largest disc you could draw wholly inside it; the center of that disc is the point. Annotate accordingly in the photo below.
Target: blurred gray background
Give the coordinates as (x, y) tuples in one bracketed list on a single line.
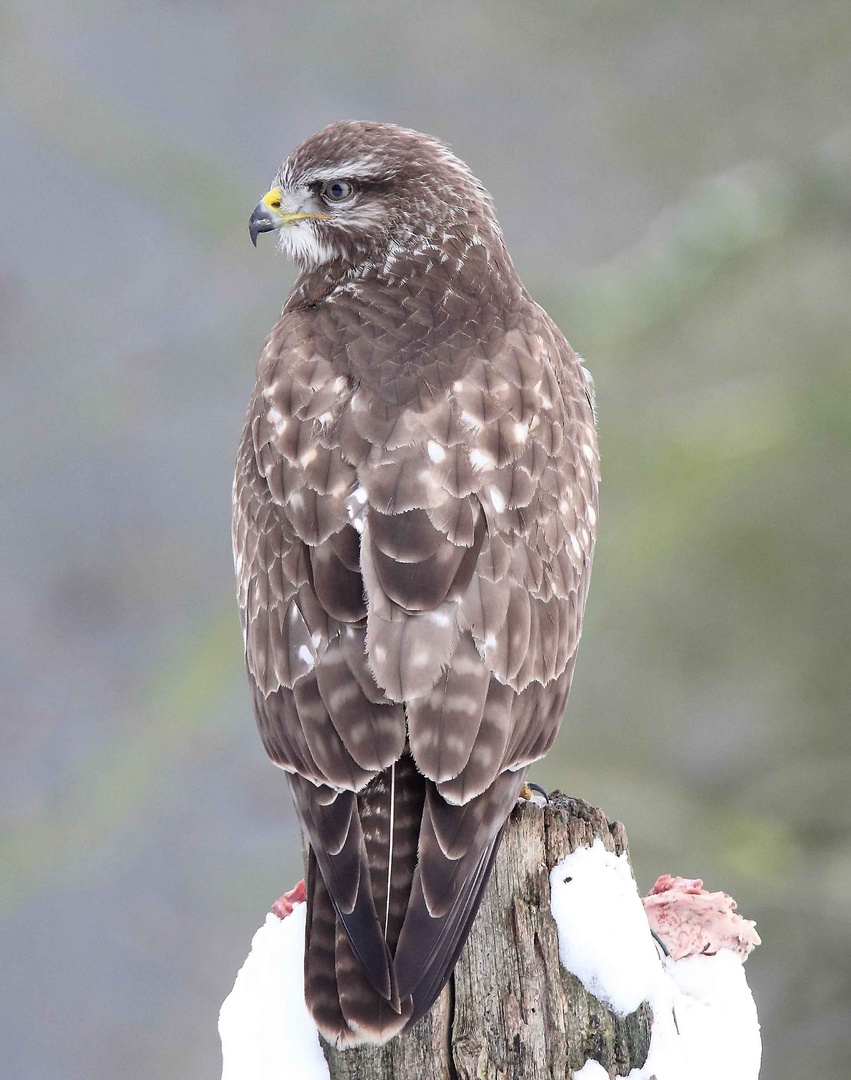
[(674, 181)]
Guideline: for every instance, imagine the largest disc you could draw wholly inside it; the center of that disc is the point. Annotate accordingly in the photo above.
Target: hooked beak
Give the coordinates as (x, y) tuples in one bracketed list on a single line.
[(261, 220), (268, 216)]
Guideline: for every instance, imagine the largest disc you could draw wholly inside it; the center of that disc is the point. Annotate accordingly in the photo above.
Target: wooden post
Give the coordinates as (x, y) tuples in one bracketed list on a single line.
[(510, 1011)]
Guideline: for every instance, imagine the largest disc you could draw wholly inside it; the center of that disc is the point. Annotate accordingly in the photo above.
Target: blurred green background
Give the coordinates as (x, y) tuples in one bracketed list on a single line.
[(674, 181)]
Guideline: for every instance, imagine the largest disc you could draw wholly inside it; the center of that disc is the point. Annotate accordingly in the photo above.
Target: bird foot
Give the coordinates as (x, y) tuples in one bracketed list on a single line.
[(284, 905), (534, 793)]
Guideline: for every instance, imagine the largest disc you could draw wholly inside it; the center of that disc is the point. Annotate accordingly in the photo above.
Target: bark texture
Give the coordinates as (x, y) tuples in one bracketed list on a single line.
[(510, 1011)]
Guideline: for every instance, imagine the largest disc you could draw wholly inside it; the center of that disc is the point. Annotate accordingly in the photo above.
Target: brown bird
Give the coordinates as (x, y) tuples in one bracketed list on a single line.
[(415, 506)]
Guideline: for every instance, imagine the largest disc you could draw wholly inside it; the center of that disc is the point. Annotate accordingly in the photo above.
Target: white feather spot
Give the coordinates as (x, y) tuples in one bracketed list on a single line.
[(471, 420), (356, 508), (592, 514), (497, 498), (306, 655), (480, 460), (435, 451), (588, 451), (521, 432)]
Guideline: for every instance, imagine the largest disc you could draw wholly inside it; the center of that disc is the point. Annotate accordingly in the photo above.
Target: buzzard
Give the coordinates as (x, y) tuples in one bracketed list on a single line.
[(414, 516)]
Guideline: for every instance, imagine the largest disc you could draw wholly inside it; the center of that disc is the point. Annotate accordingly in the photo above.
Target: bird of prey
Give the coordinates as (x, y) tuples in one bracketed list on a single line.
[(415, 506)]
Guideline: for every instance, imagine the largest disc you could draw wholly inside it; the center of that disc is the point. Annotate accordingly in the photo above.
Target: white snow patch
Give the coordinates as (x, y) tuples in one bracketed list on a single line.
[(604, 939), (716, 1015), (603, 934), (266, 1031), (591, 1070)]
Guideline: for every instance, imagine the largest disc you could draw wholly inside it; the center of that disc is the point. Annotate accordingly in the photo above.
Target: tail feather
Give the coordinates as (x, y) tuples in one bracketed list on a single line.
[(391, 812), (367, 1014), (449, 885), (425, 991), (345, 1005), (332, 823), (320, 979), (409, 875)]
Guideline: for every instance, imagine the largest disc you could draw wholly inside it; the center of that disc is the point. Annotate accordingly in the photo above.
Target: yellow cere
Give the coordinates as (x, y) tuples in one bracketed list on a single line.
[(272, 199)]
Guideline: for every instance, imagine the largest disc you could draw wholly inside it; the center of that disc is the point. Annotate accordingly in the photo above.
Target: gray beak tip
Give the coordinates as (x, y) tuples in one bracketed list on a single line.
[(261, 221)]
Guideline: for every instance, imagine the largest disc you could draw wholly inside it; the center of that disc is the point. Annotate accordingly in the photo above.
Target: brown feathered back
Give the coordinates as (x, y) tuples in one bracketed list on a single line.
[(414, 516)]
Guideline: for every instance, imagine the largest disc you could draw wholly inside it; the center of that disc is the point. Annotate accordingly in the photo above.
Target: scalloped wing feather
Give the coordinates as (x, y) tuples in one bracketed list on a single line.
[(415, 509)]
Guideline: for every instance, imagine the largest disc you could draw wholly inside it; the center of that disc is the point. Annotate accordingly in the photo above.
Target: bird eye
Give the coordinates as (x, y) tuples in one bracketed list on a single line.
[(337, 191)]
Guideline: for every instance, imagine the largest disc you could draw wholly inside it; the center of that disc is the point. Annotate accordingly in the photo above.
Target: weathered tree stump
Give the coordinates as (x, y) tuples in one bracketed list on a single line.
[(510, 1010)]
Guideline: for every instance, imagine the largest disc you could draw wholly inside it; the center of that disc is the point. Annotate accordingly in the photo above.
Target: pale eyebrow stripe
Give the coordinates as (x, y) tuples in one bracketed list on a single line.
[(345, 171), (368, 168)]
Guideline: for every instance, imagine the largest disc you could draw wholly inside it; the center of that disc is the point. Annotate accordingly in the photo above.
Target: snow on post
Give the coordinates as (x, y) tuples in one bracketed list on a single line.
[(705, 1023), (560, 977), (265, 1028)]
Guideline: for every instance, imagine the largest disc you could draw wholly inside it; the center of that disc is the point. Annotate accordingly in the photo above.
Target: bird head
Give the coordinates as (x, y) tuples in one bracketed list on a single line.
[(356, 192)]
